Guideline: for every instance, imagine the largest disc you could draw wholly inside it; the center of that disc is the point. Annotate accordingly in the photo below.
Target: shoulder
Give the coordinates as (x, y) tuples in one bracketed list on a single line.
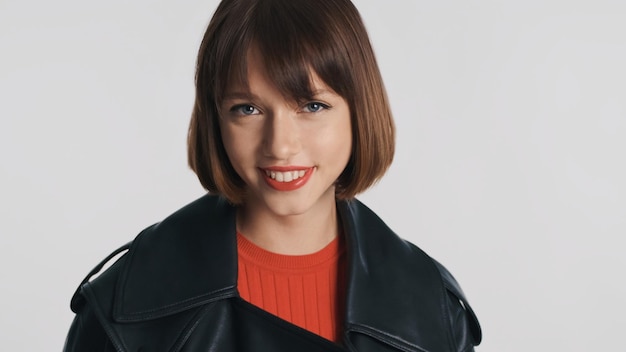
[(192, 242), (421, 284), (464, 323), (155, 245)]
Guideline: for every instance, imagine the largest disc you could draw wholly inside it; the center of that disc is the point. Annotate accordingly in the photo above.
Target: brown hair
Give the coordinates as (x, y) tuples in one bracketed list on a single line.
[(294, 37)]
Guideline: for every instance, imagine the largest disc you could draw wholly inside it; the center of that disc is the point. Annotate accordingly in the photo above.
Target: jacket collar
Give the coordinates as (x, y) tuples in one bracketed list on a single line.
[(190, 259)]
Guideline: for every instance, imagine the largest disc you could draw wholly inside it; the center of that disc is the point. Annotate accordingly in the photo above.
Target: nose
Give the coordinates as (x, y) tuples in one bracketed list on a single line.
[(281, 136)]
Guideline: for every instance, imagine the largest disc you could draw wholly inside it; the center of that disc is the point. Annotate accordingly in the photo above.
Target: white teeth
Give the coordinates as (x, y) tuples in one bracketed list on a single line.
[(287, 176)]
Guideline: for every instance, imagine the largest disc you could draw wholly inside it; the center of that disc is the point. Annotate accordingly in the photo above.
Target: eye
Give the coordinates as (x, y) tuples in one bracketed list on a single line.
[(314, 106), (244, 109)]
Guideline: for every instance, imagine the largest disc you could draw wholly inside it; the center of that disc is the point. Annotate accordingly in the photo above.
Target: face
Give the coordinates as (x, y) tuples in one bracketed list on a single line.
[(289, 154)]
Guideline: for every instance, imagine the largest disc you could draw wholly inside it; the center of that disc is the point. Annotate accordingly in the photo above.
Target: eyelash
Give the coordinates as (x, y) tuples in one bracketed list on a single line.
[(322, 106), (238, 109)]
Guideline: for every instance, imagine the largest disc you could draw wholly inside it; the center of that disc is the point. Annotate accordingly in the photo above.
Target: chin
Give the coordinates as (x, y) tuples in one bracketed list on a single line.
[(288, 208)]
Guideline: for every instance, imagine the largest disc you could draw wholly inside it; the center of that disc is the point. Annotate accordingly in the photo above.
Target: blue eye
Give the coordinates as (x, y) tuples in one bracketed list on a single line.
[(314, 106), (245, 109)]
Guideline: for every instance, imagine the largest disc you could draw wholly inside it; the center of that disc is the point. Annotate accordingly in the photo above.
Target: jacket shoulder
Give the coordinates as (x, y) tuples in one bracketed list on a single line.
[(124, 292), (462, 316), (91, 330), (153, 241), (420, 293), (78, 299)]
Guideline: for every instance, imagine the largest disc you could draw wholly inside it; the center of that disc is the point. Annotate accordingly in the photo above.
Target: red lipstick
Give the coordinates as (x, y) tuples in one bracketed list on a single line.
[(290, 185)]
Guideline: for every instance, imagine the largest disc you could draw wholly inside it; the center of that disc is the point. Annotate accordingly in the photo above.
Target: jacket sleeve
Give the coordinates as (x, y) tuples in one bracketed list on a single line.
[(464, 326), (86, 334)]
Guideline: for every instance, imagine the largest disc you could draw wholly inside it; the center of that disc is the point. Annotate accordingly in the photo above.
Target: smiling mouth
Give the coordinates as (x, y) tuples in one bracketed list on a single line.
[(285, 176)]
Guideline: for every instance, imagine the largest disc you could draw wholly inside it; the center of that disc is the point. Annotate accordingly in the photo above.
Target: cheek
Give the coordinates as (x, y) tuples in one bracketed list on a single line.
[(235, 149), (241, 145), (341, 141), (336, 142), (343, 135)]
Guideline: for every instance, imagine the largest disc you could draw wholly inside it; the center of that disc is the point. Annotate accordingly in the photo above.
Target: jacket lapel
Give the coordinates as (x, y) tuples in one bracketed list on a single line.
[(187, 260), (394, 292)]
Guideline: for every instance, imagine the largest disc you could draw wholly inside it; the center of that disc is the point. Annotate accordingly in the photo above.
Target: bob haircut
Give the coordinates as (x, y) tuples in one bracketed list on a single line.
[(295, 38)]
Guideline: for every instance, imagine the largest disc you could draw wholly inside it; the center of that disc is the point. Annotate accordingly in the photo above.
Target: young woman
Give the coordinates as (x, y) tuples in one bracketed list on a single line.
[(290, 122)]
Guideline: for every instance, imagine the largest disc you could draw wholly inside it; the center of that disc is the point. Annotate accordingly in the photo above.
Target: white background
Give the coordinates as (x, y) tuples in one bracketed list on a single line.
[(510, 164)]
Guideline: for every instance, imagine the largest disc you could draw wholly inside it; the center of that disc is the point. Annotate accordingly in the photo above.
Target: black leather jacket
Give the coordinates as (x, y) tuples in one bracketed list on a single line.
[(176, 290)]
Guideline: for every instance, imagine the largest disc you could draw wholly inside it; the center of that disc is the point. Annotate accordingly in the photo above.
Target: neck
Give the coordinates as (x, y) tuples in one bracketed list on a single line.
[(292, 234)]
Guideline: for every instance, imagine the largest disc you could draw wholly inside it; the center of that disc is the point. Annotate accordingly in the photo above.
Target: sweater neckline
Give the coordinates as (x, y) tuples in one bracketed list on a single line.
[(251, 253)]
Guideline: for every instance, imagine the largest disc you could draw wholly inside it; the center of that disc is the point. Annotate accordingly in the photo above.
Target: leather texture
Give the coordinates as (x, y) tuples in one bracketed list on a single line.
[(175, 289)]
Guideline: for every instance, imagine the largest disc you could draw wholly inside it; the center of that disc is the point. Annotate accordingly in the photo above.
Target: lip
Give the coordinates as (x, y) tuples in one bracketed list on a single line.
[(287, 186), (286, 168)]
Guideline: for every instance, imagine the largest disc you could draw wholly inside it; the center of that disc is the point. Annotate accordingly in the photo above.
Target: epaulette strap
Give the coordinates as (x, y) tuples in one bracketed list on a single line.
[(77, 299)]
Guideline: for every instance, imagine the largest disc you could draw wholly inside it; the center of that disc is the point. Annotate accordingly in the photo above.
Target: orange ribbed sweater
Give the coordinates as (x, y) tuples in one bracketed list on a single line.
[(305, 290)]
